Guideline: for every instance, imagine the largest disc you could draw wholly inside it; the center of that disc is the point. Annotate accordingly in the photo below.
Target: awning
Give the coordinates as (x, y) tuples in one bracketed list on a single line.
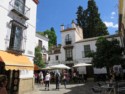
[(15, 62), (36, 67)]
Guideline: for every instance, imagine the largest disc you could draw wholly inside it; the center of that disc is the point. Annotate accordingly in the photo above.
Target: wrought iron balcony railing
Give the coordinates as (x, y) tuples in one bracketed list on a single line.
[(15, 49), (68, 42), (69, 58), (20, 9)]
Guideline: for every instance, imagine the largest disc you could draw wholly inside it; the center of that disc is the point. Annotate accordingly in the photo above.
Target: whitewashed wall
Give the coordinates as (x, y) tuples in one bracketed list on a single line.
[(44, 43), (80, 48), (63, 36), (43, 39), (62, 58), (53, 60), (78, 34), (4, 19), (77, 54), (5, 29)]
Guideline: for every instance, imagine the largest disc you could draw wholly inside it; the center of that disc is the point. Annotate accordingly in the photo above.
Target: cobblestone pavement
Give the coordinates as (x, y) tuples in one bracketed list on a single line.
[(84, 88)]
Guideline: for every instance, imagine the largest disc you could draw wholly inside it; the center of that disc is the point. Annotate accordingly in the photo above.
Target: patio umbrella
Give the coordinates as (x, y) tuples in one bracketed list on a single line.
[(36, 67), (82, 65), (46, 68), (59, 66)]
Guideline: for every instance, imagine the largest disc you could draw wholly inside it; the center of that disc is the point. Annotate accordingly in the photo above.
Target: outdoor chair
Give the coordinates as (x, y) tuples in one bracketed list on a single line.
[(121, 91), (96, 90), (121, 84), (120, 88)]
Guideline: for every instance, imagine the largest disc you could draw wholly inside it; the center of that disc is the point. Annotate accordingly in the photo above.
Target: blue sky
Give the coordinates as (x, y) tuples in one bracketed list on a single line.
[(53, 13)]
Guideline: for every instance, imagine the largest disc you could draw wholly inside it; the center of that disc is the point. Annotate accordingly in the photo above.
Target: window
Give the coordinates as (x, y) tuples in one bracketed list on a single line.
[(16, 37), (20, 5), (57, 57), (44, 57), (68, 53), (87, 50), (40, 43), (19, 8), (68, 39)]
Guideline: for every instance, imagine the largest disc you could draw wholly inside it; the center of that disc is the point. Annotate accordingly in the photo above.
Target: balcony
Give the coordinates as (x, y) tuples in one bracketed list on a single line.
[(69, 59), (20, 9), (15, 50), (68, 42)]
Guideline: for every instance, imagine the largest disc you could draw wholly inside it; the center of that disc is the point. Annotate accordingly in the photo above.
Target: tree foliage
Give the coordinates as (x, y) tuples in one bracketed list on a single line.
[(51, 35), (108, 53), (90, 21), (38, 57), (81, 19)]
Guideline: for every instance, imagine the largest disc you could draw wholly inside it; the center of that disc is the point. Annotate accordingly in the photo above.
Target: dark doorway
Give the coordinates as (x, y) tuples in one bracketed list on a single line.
[(15, 82), (12, 79), (89, 71)]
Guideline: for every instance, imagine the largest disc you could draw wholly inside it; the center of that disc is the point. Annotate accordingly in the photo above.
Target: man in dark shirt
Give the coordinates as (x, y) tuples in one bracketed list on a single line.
[(57, 76)]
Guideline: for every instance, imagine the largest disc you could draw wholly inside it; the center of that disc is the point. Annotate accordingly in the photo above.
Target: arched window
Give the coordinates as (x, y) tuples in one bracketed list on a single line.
[(68, 39)]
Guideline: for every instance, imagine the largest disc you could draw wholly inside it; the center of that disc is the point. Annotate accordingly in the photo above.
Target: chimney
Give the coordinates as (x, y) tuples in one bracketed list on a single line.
[(73, 24), (62, 27)]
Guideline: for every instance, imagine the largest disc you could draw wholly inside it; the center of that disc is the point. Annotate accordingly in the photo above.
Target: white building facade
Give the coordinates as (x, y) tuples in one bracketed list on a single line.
[(42, 41), (17, 33), (74, 50)]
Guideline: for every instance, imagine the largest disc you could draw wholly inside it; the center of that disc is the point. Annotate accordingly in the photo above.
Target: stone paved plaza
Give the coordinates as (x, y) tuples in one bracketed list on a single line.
[(84, 88)]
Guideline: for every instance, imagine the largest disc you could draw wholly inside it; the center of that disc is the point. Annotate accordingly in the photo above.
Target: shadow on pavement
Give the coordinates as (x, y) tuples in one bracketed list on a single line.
[(81, 89), (49, 89)]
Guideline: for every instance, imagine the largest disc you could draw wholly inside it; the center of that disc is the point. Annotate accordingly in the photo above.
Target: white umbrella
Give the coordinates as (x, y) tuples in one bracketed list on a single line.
[(46, 68), (82, 65), (59, 66)]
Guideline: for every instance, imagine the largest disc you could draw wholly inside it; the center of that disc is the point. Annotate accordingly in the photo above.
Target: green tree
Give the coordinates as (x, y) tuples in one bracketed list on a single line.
[(108, 53), (51, 35), (81, 19), (38, 57), (41, 33), (90, 21)]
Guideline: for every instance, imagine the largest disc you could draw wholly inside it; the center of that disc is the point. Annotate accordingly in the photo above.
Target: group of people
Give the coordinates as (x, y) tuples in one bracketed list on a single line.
[(44, 78), (58, 78), (41, 79)]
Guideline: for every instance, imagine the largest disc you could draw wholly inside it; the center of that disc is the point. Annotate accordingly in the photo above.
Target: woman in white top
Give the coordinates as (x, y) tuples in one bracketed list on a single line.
[(47, 80), (41, 77)]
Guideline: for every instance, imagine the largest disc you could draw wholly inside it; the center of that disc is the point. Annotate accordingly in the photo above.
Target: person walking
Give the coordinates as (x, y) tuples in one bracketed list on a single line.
[(47, 80), (74, 77), (3, 83), (36, 77), (41, 77), (64, 78), (57, 77)]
